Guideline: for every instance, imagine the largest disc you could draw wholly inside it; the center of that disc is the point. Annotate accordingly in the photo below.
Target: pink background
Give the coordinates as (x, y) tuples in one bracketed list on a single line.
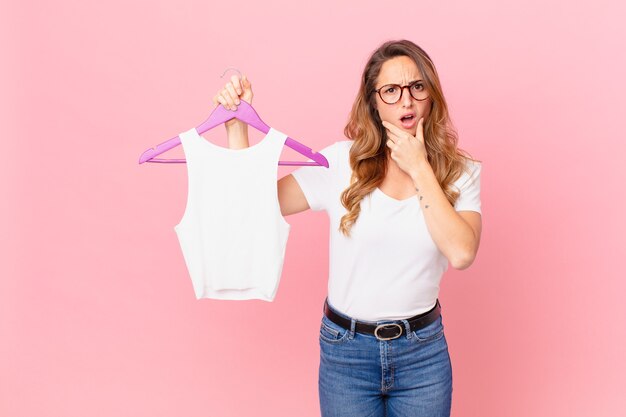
[(97, 313)]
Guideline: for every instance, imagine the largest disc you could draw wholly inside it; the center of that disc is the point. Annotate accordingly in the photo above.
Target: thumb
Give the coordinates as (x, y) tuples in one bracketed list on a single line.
[(245, 82), (247, 89)]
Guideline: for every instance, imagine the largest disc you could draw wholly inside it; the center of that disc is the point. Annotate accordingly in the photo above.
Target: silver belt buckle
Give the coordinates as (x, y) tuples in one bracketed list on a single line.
[(384, 325)]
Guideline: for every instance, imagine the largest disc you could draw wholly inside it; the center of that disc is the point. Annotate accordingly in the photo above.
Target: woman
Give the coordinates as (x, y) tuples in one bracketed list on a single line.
[(403, 201)]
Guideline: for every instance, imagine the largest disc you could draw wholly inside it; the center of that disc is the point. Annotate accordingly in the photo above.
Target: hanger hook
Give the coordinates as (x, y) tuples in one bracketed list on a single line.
[(222, 76)]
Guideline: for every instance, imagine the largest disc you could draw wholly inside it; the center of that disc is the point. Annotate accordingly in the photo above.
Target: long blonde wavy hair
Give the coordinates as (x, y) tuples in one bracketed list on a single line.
[(369, 152)]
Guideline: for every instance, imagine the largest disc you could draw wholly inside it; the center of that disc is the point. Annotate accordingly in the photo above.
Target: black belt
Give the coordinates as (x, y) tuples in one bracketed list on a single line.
[(386, 331)]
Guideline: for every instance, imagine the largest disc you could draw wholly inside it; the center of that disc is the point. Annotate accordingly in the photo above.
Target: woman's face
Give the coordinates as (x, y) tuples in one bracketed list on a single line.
[(401, 70)]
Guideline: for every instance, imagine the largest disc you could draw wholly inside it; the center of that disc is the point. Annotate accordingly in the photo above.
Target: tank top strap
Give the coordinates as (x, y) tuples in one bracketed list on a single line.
[(277, 142), (190, 145)]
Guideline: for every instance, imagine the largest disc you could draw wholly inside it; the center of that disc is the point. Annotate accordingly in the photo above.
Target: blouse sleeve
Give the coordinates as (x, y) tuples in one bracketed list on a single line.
[(317, 182), (469, 186)]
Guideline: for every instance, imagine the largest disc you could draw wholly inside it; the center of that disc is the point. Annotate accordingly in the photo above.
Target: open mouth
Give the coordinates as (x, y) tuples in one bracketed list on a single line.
[(408, 121)]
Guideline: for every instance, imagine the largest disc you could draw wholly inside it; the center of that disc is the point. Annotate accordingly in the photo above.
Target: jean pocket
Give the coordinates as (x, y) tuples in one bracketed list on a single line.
[(433, 331), (331, 332)]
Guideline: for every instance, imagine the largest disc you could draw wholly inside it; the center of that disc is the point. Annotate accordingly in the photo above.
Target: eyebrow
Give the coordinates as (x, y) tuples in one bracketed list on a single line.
[(412, 81)]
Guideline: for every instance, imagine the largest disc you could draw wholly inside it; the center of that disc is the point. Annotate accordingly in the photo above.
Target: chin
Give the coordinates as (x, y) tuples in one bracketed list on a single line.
[(412, 131)]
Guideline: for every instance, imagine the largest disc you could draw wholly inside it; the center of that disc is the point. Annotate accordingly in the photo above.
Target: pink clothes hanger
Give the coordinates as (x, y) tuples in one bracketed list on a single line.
[(246, 113)]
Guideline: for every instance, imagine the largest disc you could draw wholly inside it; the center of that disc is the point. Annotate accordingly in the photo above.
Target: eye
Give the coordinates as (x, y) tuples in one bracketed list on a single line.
[(418, 87), (390, 90)]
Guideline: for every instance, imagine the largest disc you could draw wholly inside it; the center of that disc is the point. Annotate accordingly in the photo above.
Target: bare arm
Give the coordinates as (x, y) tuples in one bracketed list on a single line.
[(290, 195), (456, 234)]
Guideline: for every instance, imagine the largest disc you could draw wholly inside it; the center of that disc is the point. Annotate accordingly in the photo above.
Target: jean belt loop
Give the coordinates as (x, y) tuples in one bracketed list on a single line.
[(407, 326), (352, 327)]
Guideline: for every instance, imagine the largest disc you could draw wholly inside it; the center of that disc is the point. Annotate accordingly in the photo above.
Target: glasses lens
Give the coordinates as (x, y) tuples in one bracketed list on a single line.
[(390, 93), (418, 91)]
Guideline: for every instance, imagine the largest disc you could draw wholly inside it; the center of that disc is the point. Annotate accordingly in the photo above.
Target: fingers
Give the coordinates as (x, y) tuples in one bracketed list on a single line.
[(229, 96), (391, 136), (234, 89), (233, 96), (394, 133), (236, 83), (223, 97), (230, 103), (393, 128), (247, 90), (392, 145), (219, 99), (419, 135)]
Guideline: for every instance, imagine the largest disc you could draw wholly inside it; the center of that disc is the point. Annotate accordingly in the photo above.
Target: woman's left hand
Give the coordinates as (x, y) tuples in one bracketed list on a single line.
[(408, 151)]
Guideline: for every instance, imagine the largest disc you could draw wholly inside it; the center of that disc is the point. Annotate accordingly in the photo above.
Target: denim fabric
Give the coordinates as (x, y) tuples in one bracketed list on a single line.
[(361, 376)]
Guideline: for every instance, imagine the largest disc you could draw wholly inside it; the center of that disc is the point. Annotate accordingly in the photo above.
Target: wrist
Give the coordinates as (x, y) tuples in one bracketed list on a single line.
[(237, 134), (234, 124), (421, 169)]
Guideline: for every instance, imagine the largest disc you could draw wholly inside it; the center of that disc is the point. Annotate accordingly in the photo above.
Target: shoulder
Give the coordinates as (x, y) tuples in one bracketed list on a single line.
[(469, 174), (338, 146), (343, 146), (472, 167), (337, 151)]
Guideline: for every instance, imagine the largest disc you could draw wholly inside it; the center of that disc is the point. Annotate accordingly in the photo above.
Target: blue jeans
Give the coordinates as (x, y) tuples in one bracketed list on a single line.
[(361, 376)]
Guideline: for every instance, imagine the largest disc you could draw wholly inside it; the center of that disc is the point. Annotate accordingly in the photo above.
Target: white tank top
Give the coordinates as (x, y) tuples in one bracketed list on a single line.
[(232, 233)]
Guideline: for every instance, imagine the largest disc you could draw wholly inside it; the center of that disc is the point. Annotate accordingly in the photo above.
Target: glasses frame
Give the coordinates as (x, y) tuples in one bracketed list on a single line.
[(401, 87)]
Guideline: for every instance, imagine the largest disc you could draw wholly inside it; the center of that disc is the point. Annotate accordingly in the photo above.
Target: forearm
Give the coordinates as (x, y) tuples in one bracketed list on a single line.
[(237, 133), (451, 233)]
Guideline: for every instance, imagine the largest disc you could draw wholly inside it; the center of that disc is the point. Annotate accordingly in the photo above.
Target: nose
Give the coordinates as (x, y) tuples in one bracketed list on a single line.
[(406, 98)]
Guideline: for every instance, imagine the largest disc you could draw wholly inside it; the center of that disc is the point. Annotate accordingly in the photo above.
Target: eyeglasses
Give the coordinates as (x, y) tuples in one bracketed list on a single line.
[(392, 93)]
